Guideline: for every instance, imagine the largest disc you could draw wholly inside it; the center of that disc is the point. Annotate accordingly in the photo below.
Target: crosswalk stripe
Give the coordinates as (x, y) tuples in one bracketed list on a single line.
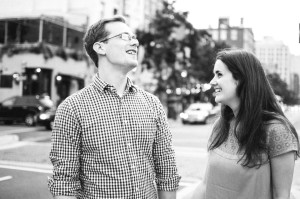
[(5, 178)]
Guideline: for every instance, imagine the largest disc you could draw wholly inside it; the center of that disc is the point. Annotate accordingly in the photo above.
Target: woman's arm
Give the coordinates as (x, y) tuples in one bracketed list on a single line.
[(282, 174)]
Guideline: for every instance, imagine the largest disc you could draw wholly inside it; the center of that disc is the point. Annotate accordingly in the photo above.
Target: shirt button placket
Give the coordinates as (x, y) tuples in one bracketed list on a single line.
[(126, 136)]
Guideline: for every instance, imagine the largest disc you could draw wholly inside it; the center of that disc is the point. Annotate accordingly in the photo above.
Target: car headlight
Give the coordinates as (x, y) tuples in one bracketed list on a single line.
[(44, 116), (183, 116)]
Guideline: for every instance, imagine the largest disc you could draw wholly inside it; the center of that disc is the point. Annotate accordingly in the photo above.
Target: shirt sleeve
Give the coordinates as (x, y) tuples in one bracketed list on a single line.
[(281, 139), (65, 152), (167, 177)]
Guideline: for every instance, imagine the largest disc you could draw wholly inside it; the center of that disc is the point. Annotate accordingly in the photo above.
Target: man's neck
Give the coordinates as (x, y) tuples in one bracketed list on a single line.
[(116, 78)]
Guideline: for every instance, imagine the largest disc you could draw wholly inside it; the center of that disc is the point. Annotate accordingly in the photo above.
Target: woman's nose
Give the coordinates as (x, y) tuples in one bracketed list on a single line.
[(212, 82)]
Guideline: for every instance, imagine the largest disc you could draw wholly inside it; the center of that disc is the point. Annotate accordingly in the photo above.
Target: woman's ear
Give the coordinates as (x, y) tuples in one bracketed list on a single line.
[(99, 48)]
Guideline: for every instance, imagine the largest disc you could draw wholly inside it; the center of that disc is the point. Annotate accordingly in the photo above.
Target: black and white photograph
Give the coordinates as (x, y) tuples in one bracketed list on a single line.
[(149, 99)]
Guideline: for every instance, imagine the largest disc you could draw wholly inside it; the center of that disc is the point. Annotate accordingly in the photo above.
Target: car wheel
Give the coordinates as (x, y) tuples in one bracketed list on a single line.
[(30, 120), (50, 125)]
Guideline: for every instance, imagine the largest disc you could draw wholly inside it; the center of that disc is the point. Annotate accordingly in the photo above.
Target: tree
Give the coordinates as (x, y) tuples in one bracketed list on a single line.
[(281, 88), (162, 49), (180, 56)]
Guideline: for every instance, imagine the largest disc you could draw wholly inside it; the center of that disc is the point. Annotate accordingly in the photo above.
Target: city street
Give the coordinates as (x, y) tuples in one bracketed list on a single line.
[(24, 164)]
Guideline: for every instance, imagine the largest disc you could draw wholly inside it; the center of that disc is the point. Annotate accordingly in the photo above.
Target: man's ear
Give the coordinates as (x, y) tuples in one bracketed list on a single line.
[(99, 48)]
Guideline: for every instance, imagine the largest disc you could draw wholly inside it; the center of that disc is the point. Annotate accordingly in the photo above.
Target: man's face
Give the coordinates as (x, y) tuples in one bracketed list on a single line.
[(119, 51)]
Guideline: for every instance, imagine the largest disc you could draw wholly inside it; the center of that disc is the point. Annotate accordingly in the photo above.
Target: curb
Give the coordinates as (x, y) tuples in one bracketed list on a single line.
[(8, 139)]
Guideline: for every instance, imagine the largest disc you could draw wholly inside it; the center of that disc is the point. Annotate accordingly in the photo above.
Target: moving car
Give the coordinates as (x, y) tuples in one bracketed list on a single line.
[(25, 109), (197, 113), (47, 118)]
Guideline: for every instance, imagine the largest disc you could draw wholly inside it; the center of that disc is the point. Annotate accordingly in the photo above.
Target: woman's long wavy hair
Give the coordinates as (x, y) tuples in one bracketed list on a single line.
[(258, 105)]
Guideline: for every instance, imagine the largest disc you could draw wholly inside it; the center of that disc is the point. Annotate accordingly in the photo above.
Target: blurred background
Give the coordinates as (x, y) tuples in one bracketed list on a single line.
[(42, 61)]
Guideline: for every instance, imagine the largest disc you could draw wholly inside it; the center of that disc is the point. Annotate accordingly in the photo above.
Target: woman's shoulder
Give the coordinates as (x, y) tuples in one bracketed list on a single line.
[(280, 138)]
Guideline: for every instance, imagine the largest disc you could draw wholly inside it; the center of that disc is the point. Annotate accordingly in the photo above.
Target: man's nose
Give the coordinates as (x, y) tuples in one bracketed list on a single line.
[(135, 42)]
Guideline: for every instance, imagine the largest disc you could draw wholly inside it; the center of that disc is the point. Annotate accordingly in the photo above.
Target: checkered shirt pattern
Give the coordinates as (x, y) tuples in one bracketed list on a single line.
[(107, 146)]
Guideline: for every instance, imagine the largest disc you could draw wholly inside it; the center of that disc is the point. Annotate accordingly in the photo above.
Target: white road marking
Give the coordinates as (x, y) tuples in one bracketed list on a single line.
[(190, 152), (5, 178), (38, 170), (21, 130)]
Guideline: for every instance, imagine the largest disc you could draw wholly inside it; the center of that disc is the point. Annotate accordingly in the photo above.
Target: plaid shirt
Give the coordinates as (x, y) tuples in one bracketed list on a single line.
[(107, 146)]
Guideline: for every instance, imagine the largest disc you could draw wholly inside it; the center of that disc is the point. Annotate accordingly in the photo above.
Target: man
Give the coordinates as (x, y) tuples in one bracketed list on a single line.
[(111, 139)]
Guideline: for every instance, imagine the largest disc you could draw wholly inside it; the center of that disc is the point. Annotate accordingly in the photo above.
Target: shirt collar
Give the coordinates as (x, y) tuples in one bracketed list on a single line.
[(101, 85)]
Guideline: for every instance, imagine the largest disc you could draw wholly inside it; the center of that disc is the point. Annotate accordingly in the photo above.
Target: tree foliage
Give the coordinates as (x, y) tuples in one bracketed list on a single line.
[(281, 88), (180, 55)]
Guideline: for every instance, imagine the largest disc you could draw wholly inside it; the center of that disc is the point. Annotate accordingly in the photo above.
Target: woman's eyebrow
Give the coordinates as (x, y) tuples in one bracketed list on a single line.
[(217, 71)]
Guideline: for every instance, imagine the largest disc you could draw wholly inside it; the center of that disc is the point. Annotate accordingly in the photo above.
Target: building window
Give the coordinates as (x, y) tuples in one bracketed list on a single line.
[(234, 35), (223, 35), (102, 13), (115, 12), (6, 81), (2, 32), (214, 34), (53, 33)]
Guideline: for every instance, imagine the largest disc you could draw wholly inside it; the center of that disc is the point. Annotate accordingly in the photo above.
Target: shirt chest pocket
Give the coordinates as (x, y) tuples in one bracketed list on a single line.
[(144, 127)]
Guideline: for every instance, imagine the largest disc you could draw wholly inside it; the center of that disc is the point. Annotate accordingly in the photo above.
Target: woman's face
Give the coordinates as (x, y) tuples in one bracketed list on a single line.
[(225, 86)]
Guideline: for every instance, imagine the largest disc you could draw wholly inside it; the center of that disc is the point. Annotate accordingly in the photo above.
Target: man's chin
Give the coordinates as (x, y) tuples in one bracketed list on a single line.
[(133, 64)]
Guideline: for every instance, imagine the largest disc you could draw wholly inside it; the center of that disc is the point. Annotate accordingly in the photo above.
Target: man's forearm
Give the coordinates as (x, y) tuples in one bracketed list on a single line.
[(167, 194)]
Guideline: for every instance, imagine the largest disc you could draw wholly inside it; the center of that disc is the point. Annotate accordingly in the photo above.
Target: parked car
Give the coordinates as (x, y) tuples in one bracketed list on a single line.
[(25, 109), (196, 113)]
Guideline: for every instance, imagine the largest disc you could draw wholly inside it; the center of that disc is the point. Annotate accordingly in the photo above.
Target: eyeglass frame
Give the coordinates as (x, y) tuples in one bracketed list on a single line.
[(130, 37)]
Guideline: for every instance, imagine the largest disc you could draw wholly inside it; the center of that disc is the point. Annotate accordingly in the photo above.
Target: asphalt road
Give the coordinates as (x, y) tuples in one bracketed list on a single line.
[(24, 165), (19, 183)]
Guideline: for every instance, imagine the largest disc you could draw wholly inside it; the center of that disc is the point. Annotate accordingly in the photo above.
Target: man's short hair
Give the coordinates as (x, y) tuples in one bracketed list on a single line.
[(97, 32)]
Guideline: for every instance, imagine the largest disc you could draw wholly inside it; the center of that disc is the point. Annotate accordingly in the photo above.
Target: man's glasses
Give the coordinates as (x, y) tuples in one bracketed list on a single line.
[(124, 36)]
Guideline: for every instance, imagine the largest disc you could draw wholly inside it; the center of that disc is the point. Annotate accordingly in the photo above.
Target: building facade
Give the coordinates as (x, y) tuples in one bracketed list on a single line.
[(41, 55), (295, 68), (235, 36), (275, 58), (137, 12), (41, 42)]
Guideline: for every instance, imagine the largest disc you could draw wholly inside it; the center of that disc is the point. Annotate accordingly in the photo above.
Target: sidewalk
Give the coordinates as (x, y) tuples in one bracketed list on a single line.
[(11, 134)]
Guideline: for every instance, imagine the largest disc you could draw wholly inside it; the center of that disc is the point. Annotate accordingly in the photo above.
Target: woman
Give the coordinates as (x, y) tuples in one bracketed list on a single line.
[(253, 146)]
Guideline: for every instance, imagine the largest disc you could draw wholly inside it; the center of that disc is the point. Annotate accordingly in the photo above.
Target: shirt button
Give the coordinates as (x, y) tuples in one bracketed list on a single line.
[(128, 144), (125, 121)]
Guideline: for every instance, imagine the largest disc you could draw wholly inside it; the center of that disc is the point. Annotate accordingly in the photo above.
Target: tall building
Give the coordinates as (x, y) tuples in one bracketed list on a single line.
[(295, 68), (275, 58), (235, 36), (137, 12)]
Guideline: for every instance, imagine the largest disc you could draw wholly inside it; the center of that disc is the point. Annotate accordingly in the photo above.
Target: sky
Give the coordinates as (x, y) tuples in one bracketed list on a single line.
[(279, 19)]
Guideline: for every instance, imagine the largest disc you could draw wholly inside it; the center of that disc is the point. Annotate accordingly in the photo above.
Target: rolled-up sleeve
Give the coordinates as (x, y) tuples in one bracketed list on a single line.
[(65, 152), (167, 177)]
